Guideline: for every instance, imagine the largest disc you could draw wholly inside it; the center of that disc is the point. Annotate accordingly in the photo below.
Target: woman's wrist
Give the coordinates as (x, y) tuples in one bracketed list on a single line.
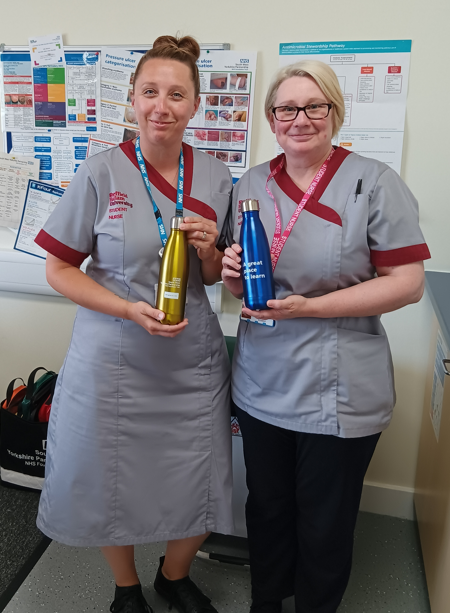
[(209, 256)]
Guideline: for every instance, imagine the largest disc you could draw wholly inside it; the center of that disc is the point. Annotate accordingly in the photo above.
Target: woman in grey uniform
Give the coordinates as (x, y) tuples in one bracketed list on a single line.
[(139, 445), (312, 374)]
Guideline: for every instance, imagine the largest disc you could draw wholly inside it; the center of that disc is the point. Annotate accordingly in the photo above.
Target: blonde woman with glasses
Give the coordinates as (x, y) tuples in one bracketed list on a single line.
[(312, 374)]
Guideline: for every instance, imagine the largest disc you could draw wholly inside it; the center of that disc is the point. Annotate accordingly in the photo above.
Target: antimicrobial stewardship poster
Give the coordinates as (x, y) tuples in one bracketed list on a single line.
[(222, 124), (373, 76)]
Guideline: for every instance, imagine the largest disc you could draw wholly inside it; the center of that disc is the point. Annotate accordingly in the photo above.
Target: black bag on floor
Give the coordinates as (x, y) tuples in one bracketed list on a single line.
[(23, 439)]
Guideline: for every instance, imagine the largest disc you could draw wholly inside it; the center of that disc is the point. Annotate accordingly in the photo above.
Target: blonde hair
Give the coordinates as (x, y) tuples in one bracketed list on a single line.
[(184, 49), (323, 75)]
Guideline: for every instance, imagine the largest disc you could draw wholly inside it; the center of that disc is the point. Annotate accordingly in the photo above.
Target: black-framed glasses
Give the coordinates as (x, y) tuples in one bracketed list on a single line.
[(312, 111)]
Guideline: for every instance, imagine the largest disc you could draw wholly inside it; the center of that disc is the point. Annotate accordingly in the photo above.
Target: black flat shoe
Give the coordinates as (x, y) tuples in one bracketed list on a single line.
[(182, 593), (266, 607), (132, 601)]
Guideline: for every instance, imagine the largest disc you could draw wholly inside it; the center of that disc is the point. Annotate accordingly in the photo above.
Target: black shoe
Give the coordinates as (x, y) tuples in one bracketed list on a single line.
[(267, 607), (182, 593), (130, 601)]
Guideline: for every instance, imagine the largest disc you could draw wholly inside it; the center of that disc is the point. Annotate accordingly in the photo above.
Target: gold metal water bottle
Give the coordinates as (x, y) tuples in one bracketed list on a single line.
[(173, 275)]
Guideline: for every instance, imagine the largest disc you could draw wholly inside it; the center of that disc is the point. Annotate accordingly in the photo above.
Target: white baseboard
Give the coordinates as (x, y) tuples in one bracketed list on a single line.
[(388, 500)]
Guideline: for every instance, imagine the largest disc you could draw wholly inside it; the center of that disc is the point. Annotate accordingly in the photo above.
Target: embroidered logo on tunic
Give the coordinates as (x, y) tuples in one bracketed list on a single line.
[(118, 204)]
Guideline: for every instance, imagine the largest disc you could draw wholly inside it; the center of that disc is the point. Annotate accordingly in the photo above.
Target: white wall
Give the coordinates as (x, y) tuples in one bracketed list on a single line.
[(35, 329)]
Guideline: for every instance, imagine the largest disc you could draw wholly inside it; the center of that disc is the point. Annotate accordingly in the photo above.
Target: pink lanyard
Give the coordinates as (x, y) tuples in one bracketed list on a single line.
[(279, 239)]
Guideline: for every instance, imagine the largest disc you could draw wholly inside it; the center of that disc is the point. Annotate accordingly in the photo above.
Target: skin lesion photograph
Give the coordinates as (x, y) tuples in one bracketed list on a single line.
[(223, 156), (240, 116), (236, 157), (212, 100), (241, 101), (225, 115), (238, 81), (211, 115), (201, 135), (218, 80), (130, 115), (238, 137), (226, 101)]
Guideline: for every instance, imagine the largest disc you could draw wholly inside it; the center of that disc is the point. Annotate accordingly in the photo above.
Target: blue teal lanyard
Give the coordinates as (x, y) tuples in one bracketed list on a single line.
[(180, 184)]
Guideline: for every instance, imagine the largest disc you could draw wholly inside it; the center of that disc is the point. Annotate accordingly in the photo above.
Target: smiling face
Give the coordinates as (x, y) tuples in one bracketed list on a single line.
[(302, 137), (164, 102)]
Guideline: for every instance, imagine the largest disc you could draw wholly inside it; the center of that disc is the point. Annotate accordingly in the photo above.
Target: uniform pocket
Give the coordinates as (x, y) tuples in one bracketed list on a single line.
[(365, 392)]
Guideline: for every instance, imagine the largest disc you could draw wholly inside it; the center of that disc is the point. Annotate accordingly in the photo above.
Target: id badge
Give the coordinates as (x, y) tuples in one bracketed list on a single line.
[(262, 322)]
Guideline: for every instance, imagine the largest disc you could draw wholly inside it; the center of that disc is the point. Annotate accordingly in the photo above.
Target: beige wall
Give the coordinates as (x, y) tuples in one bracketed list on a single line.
[(35, 330)]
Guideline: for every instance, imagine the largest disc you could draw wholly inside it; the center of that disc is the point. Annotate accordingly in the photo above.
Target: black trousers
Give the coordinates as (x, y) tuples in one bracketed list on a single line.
[(304, 495)]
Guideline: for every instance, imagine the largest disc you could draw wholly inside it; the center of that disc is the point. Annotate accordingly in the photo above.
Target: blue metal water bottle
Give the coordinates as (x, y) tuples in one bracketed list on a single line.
[(256, 263)]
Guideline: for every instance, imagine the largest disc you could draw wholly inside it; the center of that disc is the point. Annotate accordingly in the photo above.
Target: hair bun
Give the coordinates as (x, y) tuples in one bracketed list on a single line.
[(185, 43)]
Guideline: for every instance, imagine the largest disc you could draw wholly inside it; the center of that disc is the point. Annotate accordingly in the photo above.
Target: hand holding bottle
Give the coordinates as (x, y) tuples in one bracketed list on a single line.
[(231, 270), (202, 234), (288, 308), (150, 319)]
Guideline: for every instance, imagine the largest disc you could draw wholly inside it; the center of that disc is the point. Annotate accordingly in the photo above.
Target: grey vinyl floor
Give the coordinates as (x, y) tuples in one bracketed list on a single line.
[(387, 576)]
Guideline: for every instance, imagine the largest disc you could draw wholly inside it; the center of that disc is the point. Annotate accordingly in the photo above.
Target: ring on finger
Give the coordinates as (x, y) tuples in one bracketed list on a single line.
[(204, 236)]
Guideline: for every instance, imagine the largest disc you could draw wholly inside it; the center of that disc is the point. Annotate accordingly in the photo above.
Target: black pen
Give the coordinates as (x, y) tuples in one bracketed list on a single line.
[(358, 188)]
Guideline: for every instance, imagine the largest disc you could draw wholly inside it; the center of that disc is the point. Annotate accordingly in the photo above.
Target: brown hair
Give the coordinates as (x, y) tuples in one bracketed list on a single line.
[(323, 75), (185, 50)]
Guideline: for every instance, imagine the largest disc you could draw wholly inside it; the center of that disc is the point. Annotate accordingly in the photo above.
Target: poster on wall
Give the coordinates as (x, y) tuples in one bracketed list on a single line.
[(16, 88), (60, 97), (15, 173), (40, 201), (222, 125), (373, 76), (118, 117), (59, 153)]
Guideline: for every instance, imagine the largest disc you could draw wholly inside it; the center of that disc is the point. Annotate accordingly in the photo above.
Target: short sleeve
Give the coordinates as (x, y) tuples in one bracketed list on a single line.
[(69, 231), (394, 234)]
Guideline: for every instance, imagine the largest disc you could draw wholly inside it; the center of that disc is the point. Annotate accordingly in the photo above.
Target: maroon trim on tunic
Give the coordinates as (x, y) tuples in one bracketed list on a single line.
[(313, 205), (397, 257), (192, 204), (59, 250), (188, 168)]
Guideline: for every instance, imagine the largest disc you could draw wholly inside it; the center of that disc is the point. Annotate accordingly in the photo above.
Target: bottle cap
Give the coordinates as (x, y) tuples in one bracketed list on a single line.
[(249, 205), (175, 222)]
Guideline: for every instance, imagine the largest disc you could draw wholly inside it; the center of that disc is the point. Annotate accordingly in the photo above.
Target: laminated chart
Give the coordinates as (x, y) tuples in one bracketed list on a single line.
[(83, 91), (50, 97), (49, 89), (17, 88), (48, 111), (40, 202), (222, 125), (60, 153), (373, 76), (15, 173)]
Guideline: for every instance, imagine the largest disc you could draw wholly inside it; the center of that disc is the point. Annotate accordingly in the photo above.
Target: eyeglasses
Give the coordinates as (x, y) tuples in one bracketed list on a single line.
[(312, 111)]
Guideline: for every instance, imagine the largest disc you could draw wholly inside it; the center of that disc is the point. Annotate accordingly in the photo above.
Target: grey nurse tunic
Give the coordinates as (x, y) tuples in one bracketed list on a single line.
[(139, 446), (326, 376)]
